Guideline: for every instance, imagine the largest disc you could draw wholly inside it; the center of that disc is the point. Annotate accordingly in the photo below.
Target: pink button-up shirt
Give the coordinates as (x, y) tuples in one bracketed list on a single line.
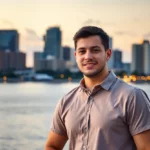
[(104, 119)]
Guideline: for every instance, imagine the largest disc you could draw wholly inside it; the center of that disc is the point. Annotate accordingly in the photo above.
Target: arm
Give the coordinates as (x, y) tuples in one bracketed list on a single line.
[(138, 117), (55, 141), (142, 140)]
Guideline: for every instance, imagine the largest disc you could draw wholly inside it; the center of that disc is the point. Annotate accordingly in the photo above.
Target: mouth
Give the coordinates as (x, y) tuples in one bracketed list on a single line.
[(89, 65)]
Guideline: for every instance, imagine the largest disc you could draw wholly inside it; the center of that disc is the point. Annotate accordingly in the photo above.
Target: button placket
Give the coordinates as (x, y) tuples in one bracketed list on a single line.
[(91, 99), (86, 127), (84, 147)]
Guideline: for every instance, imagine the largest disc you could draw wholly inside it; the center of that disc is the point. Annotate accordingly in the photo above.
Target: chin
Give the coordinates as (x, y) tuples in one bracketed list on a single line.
[(90, 74)]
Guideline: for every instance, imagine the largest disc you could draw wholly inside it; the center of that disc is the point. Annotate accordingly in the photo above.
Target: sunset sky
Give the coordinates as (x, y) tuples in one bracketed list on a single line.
[(125, 21)]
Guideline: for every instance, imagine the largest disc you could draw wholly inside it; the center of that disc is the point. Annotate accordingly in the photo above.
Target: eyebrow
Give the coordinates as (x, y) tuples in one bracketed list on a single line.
[(82, 48), (95, 47)]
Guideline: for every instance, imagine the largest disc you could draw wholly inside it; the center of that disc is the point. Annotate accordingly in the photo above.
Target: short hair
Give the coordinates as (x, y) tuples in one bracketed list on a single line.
[(87, 31)]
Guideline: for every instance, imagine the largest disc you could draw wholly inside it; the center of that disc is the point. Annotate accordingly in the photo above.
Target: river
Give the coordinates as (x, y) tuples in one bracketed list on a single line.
[(26, 111)]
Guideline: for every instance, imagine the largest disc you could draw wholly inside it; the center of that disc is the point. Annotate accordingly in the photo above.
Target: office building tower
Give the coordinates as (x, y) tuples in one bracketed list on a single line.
[(38, 56), (47, 63), (146, 47), (66, 53), (141, 58), (110, 62), (127, 68), (137, 65), (117, 59), (53, 42), (11, 61), (9, 40)]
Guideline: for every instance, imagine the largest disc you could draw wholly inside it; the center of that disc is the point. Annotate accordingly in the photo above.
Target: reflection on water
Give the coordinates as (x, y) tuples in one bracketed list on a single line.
[(26, 111)]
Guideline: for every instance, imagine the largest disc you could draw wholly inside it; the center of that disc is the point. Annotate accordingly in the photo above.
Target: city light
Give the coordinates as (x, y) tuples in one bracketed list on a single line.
[(62, 76), (4, 78)]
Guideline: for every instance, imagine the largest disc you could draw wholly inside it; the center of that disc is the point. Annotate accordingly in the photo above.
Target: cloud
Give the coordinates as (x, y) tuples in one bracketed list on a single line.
[(147, 35), (98, 23), (136, 20), (4, 23), (30, 39), (31, 35), (125, 33), (30, 42), (91, 22)]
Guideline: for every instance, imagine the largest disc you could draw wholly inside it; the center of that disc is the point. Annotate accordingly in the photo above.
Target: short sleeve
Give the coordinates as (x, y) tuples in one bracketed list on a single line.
[(138, 112), (57, 124)]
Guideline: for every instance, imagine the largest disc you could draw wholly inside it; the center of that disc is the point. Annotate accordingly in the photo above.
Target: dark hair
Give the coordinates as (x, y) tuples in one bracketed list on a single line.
[(87, 31)]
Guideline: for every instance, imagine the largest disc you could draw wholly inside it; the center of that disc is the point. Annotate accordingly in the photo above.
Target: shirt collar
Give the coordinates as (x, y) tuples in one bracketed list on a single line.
[(82, 84), (106, 83)]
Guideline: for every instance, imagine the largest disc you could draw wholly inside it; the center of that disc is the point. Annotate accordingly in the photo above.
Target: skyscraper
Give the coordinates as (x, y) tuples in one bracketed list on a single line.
[(38, 57), (110, 62), (137, 64), (12, 61), (141, 58), (53, 42), (117, 56), (66, 53), (9, 40), (146, 46)]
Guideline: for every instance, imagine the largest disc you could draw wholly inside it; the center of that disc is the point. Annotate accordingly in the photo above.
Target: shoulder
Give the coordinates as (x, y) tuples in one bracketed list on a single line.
[(124, 89), (133, 94), (128, 91), (74, 92), (68, 98)]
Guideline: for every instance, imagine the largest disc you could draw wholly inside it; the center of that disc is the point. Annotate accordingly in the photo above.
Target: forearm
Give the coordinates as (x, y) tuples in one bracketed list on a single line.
[(144, 148), (51, 148)]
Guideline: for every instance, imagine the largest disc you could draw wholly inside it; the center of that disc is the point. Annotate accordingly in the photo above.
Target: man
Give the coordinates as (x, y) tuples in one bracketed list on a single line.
[(103, 112)]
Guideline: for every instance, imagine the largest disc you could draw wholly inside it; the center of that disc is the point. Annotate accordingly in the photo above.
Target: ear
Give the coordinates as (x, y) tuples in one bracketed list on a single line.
[(75, 54), (108, 54)]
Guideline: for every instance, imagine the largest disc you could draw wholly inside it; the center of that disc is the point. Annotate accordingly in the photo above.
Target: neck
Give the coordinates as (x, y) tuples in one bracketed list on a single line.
[(91, 82)]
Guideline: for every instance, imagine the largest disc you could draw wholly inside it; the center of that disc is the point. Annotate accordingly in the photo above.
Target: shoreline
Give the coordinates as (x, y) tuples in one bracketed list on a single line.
[(18, 80)]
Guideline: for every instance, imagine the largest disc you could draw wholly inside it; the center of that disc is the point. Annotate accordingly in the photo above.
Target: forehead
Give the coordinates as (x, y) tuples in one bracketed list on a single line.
[(89, 41)]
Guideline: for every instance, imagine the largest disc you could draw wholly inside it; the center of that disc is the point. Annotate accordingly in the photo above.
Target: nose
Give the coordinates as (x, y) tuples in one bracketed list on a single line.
[(88, 55)]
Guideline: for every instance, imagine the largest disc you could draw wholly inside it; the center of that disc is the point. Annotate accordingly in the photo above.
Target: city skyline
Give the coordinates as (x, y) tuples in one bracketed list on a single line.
[(127, 22)]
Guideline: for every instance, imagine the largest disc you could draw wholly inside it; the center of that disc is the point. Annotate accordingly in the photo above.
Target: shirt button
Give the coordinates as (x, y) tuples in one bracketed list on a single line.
[(90, 97), (85, 129), (84, 147)]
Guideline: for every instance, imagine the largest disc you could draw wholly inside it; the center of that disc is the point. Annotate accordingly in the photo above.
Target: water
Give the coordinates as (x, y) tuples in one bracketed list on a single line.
[(26, 111)]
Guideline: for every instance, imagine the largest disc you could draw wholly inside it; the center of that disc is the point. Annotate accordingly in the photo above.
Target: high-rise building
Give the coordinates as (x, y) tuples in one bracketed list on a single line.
[(53, 42), (110, 62), (146, 46), (47, 63), (137, 64), (12, 61), (66, 53), (127, 68), (9, 40), (117, 59), (141, 58), (38, 56)]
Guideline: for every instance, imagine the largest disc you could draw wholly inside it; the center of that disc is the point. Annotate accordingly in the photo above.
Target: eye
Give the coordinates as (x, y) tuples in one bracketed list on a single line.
[(95, 50), (81, 51)]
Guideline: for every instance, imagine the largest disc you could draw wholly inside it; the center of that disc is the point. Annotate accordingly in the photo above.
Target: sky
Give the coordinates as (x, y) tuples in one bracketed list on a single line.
[(126, 21)]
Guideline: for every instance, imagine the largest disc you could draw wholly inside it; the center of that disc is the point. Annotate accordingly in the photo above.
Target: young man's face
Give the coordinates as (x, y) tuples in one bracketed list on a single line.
[(91, 56)]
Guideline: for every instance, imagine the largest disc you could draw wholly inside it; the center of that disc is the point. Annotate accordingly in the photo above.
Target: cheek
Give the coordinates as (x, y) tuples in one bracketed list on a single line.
[(79, 59)]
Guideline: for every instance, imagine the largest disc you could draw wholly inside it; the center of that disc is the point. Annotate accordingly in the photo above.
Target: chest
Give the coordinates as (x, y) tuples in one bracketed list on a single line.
[(99, 115)]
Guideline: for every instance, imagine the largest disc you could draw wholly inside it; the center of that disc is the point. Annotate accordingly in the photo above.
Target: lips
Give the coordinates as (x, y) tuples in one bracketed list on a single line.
[(89, 63)]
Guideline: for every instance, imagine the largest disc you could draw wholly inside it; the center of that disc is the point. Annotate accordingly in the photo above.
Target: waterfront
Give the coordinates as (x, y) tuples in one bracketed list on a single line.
[(26, 111)]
